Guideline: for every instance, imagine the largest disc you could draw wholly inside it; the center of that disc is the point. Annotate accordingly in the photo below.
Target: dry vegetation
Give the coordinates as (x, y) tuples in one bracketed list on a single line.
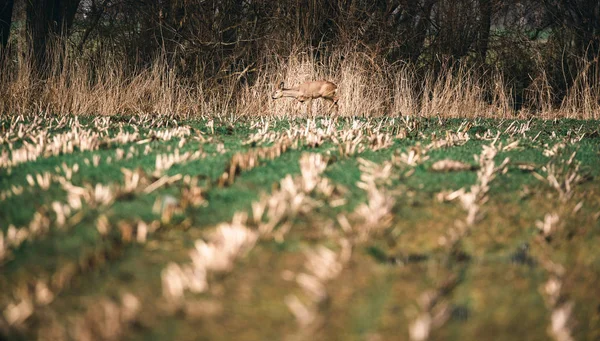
[(143, 226), (368, 86), (151, 188)]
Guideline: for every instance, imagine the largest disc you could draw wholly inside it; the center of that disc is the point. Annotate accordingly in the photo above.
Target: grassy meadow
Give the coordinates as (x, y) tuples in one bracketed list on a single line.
[(157, 227)]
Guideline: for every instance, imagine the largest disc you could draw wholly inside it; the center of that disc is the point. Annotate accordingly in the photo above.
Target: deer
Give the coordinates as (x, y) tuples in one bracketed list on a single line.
[(309, 91)]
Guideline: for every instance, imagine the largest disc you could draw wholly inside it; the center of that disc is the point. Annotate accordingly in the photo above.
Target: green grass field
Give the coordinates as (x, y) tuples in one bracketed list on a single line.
[(153, 228)]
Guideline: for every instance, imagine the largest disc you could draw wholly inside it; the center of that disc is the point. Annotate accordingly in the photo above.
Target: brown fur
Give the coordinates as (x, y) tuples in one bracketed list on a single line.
[(309, 91)]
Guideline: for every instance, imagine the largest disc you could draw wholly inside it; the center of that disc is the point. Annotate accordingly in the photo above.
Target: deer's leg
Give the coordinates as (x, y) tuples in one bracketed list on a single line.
[(332, 105), (335, 104), (298, 106), (329, 104), (300, 102)]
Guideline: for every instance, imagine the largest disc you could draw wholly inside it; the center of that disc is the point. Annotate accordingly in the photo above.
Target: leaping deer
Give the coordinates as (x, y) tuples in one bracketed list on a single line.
[(309, 91)]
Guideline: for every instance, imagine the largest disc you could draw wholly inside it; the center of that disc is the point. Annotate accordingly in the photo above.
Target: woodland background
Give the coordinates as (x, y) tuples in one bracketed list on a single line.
[(222, 57)]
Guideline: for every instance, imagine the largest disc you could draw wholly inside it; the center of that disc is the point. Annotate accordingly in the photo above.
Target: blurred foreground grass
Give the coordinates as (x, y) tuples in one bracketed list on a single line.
[(374, 245)]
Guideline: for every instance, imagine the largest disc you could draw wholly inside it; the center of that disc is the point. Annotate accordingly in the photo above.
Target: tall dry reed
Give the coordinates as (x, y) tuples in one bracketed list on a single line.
[(368, 86)]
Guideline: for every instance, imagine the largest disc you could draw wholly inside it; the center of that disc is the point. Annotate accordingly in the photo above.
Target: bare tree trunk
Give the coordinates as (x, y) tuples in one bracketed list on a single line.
[(485, 8), (46, 18), (6, 8), (582, 19), (421, 29)]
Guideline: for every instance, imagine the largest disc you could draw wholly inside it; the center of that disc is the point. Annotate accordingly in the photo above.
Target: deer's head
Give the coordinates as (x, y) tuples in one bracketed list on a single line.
[(278, 92)]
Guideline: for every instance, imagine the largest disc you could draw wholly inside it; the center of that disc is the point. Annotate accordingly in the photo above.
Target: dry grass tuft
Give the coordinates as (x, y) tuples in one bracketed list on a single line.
[(368, 86)]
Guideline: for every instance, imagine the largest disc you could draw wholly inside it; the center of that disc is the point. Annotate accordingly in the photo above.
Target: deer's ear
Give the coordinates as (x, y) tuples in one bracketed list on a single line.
[(281, 85)]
